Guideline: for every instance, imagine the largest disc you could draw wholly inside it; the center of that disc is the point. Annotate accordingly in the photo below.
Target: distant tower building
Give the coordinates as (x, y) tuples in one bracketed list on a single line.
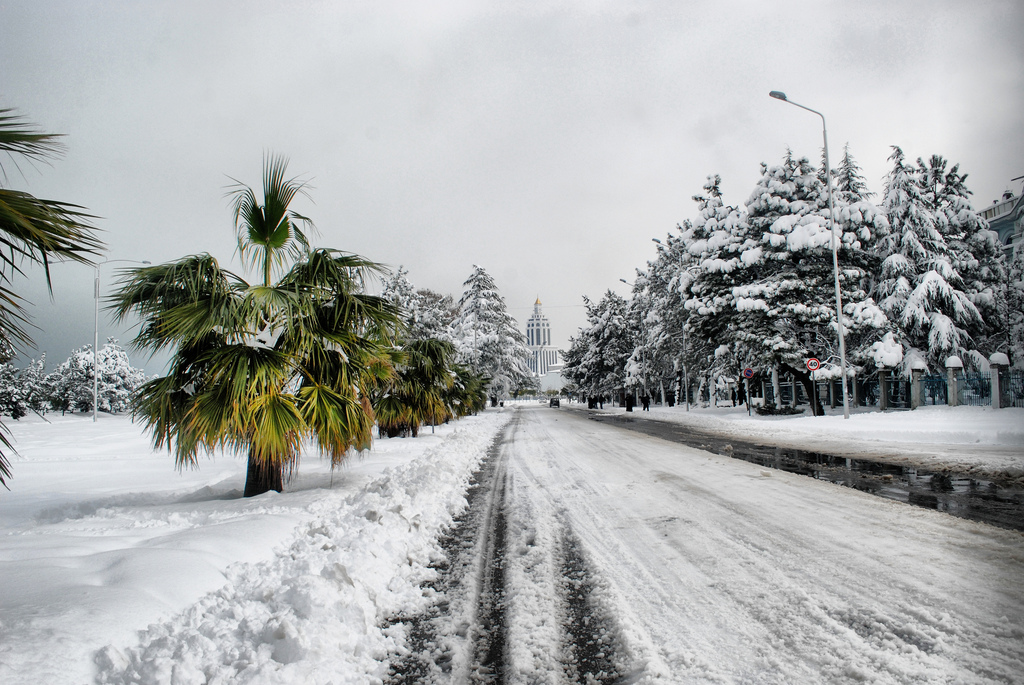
[(543, 358)]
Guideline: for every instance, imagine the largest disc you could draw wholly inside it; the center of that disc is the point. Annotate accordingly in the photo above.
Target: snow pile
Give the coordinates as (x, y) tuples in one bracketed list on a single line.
[(313, 614), (887, 352)]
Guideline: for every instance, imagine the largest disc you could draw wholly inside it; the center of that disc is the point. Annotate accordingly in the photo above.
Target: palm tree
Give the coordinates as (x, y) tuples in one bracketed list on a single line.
[(32, 230), (468, 394), (418, 394), (258, 369)]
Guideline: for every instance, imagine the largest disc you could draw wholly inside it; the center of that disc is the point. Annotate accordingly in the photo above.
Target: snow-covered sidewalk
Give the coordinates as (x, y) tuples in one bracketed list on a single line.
[(102, 538), (975, 440)]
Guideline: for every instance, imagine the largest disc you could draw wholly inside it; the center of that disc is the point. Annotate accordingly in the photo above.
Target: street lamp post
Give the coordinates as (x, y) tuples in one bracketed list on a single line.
[(96, 331), (778, 95)]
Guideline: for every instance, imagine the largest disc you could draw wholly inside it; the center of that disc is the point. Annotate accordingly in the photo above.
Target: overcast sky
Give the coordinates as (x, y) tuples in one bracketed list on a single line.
[(546, 141)]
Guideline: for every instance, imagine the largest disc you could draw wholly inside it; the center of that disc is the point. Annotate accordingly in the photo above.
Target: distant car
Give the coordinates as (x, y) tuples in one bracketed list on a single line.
[(554, 402)]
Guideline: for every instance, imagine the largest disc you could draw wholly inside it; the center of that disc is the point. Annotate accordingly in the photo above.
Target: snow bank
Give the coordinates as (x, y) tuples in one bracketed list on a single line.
[(313, 613)]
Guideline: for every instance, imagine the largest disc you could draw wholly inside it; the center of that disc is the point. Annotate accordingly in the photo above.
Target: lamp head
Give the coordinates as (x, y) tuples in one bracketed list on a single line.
[(625, 281), (778, 95)]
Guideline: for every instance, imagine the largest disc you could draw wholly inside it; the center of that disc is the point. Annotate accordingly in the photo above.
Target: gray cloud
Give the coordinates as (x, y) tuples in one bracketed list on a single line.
[(547, 142)]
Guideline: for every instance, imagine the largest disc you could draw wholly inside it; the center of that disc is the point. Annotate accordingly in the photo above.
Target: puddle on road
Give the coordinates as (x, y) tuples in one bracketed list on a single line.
[(954, 493)]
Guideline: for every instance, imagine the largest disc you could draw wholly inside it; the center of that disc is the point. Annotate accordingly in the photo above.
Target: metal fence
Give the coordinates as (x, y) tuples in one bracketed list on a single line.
[(1011, 389), (867, 391), (934, 390), (974, 389), (899, 393)]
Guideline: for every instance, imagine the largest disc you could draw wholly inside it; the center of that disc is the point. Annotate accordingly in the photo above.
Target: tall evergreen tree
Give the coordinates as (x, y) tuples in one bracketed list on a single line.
[(849, 185), (717, 241), (643, 360), (667, 281), (1013, 319), (975, 252), (919, 287), (488, 338), (597, 356), (786, 301), (425, 313)]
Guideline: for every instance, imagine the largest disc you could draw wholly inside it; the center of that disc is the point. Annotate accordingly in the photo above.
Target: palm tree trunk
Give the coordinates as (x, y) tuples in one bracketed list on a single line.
[(262, 476)]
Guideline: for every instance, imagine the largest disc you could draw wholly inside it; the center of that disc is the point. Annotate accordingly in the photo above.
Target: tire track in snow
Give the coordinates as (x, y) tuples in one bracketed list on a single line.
[(461, 637), (516, 598), (592, 644)]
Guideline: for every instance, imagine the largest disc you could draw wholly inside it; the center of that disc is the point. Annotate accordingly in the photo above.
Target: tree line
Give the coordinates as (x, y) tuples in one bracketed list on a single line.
[(70, 386), (303, 355), (306, 354), (922, 278)]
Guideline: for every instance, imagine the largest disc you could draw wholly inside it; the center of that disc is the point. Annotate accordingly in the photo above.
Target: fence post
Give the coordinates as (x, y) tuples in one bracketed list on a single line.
[(917, 369), (953, 366), (997, 362), (883, 389)]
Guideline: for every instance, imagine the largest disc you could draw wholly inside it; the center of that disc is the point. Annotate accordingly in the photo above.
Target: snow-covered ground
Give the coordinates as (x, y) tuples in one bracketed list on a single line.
[(117, 569), (100, 537), (967, 439), (716, 570)]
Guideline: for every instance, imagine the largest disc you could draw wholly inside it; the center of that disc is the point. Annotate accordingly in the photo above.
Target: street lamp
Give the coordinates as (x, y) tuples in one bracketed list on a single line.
[(778, 95), (96, 332)]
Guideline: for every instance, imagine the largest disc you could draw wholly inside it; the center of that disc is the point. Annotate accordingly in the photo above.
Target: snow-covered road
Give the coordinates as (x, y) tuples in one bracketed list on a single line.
[(580, 548), (715, 570)]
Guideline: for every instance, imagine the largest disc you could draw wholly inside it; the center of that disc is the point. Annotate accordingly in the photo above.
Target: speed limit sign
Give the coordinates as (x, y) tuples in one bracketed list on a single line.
[(813, 364)]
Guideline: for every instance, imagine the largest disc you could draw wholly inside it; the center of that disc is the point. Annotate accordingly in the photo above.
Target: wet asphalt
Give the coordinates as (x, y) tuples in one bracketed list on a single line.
[(958, 494)]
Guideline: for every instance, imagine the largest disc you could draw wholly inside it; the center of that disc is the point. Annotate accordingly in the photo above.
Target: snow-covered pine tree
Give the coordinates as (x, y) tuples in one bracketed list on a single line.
[(426, 314), (597, 356), (849, 186), (399, 290), (785, 304), (23, 390), (1014, 310), (667, 281), (488, 338), (974, 249), (12, 399), (33, 385), (71, 384), (919, 287), (640, 374), (435, 315), (118, 380), (716, 240)]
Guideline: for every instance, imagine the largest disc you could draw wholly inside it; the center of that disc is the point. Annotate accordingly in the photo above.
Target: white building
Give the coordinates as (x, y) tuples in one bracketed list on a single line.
[(545, 361)]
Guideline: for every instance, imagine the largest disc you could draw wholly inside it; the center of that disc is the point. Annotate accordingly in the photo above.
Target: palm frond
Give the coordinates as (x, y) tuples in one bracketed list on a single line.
[(269, 233), (180, 302), (33, 229), (19, 137), (276, 428), (337, 419)]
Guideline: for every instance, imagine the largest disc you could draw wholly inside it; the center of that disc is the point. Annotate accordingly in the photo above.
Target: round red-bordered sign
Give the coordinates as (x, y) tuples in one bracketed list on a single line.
[(813, 364), (748, 372)]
